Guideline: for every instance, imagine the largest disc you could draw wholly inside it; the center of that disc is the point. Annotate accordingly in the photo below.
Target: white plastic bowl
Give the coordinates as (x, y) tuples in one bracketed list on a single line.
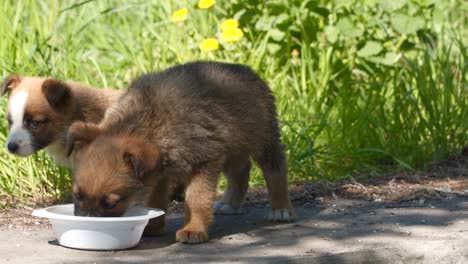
[(97, 233)]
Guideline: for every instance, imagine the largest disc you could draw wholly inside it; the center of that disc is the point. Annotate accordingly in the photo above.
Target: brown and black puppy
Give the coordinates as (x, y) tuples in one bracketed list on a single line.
[(40, 110), (187, 125)]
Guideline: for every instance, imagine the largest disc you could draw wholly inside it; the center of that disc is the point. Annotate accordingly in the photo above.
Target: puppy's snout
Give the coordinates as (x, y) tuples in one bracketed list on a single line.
[(12, 147), (19, 143), (94, 212), (87, 213)]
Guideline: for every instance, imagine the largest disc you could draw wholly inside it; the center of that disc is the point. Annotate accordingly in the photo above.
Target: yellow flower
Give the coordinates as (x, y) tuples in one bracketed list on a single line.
[(179, 15), (209, 44), (232, 34), (295, 53), (229, 23), (204, 4)]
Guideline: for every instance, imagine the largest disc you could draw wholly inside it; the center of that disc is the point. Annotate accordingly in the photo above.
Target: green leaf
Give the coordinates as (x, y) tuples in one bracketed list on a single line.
[(273, 47), (389, 59), (391, 5), (320, 11), (281, 19), (347, 28), (370, 3), (370, 49), (332, 33), (438, 19), (277, 34), (405, 24), (432, 2), (380, 34), (264, 24), (345, 3)]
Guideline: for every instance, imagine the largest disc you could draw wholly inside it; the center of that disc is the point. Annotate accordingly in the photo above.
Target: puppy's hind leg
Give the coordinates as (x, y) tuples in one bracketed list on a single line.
[(237, 172), (272, 161)]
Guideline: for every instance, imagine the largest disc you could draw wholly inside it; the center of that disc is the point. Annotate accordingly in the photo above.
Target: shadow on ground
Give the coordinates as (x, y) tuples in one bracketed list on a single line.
[(337, 231)]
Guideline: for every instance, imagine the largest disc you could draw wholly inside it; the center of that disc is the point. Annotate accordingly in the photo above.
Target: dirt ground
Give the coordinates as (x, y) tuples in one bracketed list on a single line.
[(445, 180)]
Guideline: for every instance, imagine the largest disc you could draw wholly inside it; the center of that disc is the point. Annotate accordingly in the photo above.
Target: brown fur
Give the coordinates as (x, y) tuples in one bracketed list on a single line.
[(186, 125), (58, 104)]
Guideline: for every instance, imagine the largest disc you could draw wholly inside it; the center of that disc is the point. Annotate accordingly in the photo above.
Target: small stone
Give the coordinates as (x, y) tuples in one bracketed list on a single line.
[(422, 201), (444, 190)]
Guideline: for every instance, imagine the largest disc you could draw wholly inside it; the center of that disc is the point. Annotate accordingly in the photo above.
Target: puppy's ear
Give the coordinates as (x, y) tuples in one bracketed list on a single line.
[(57, 93), (81, 134), (9, 83), (142, 157)]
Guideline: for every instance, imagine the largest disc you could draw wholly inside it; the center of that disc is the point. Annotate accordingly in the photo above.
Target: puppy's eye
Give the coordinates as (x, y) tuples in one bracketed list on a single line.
[(34, 124), (111, 201), (9, 120), (109, 205)]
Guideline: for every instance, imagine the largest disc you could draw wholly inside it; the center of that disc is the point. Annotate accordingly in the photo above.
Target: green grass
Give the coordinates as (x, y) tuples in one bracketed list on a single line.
[(371, 87)]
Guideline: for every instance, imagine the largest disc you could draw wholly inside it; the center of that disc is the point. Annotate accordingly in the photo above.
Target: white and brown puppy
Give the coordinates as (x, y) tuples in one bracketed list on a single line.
[(40, 110)]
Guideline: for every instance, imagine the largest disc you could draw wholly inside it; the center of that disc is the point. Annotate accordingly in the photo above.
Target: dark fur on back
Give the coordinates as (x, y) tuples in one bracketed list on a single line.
[(209, 108)]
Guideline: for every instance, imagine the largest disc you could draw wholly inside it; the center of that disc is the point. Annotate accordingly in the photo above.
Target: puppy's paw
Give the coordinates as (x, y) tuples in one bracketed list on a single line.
[(280, 215), (191, 236), (221, 208)]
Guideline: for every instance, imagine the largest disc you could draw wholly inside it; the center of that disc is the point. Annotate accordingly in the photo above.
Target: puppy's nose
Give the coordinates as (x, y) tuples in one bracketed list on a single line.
[(12, 147)]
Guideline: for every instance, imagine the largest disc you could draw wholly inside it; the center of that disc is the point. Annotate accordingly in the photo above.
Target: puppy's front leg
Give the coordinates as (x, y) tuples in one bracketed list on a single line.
[(199, 197), (159, 198)]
